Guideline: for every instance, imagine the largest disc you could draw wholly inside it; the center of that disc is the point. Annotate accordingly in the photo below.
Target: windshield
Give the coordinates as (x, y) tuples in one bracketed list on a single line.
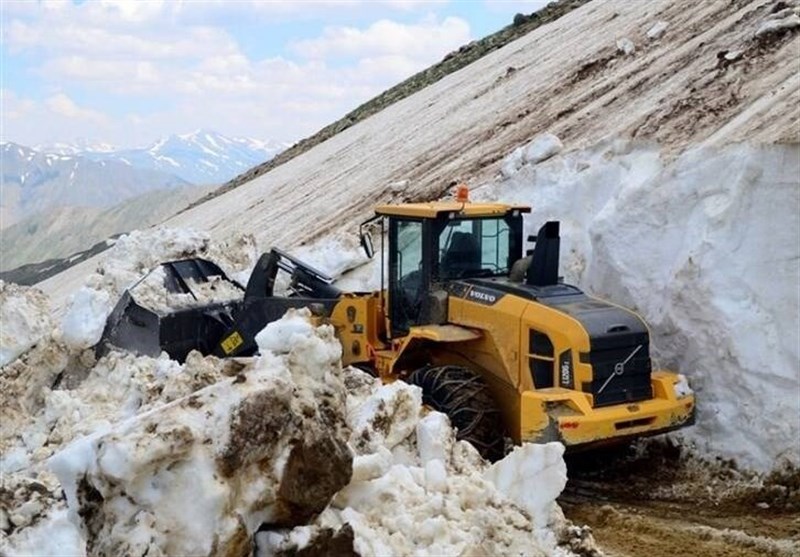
[(474, 248)]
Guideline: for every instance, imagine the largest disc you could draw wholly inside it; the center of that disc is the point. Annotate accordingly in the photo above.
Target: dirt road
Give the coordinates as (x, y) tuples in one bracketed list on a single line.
[(653, 502)]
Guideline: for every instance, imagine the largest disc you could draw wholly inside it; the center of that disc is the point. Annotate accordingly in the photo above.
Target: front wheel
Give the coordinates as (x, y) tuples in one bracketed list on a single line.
[(463, 396)]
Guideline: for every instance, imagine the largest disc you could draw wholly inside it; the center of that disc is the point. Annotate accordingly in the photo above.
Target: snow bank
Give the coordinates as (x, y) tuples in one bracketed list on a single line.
[(706, 248)]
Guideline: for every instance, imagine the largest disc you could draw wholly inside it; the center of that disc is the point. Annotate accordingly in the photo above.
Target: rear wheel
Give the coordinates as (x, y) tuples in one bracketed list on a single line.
[(463, 396)]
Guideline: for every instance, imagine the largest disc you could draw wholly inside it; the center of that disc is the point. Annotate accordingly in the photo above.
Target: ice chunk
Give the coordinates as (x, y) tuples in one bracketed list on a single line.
[(83, 323), (281, 336), (626, 46), (532, 476), (434, 437), (542, 148), (657, 31), (24, 320)]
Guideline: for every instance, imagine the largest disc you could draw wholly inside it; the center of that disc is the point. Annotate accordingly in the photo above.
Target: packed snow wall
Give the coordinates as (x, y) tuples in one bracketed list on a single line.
[(706, 247)]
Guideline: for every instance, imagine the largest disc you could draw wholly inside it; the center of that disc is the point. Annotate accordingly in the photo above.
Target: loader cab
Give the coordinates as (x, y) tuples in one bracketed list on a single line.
[(431, 244)]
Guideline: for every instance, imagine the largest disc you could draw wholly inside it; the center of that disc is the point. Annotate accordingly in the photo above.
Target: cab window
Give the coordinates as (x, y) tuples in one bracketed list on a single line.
[(473, 248)]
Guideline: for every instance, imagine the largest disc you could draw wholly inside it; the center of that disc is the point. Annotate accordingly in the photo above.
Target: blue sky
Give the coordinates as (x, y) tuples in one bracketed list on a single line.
[(127, 72)]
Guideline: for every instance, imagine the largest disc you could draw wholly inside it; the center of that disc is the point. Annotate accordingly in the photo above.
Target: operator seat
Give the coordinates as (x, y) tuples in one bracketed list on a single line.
[(463, 256)]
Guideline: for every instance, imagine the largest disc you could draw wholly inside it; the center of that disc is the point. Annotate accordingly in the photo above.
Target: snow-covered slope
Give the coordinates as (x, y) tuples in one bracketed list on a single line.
[(200, 157)]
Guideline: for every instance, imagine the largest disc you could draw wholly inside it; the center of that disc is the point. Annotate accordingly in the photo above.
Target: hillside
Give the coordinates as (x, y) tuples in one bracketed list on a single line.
[(64, 231), (567, 77)]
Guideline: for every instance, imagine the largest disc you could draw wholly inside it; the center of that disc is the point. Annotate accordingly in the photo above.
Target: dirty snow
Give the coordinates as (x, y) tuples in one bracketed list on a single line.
[(417, 491), (180, 459)]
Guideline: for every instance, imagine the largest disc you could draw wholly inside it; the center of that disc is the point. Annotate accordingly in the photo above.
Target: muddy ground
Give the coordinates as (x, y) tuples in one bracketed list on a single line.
[(654, 500)]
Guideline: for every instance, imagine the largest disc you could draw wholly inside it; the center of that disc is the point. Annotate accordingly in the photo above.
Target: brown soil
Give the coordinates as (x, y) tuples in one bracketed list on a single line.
[(653, 501)]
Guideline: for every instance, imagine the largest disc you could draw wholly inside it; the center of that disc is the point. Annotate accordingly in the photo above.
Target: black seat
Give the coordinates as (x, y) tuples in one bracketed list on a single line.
[(463, 256)]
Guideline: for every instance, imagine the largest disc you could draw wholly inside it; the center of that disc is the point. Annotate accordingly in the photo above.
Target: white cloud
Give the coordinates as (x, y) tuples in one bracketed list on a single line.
[(30, 122), (149, 56), (387, 37), (60, 104)]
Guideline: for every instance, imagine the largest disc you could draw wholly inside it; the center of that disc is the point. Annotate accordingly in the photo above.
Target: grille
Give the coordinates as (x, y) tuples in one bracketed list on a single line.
[(632, 385)]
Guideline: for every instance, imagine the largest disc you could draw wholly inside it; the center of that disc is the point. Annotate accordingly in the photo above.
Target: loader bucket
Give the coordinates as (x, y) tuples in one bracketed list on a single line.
[(196, 321)]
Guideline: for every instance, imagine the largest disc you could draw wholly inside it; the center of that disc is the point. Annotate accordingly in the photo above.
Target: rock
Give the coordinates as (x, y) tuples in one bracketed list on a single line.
[(317, 468)]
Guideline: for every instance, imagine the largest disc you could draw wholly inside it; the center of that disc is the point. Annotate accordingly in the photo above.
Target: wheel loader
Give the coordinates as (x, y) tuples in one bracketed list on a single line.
[(488, 330)]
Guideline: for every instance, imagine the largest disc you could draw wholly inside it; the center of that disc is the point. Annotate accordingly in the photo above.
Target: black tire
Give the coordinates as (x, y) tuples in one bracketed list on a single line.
[(463, 396)]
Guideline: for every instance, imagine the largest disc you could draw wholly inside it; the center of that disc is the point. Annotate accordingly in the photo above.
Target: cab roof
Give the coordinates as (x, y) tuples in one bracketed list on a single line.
[(436, 208)]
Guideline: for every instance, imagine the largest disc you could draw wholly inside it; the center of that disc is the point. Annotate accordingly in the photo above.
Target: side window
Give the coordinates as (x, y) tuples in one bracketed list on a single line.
[(541, 359), (409, 243), (407, 287), (495, 236)]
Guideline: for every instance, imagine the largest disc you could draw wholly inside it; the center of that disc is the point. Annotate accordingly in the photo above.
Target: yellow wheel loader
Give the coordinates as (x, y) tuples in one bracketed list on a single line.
[(492, 336)]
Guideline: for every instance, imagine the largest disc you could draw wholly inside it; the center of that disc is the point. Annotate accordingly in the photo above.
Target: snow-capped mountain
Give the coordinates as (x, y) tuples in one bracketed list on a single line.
[(33, 181), (85, 174), (200, 157)]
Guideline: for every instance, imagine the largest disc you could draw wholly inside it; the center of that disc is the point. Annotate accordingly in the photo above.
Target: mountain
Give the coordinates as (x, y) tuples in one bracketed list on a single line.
[(63, 231), (33, 181), (200, 157)]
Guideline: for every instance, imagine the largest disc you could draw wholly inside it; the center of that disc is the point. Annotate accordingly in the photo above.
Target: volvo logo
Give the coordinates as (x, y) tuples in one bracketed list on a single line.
[(483, 297)]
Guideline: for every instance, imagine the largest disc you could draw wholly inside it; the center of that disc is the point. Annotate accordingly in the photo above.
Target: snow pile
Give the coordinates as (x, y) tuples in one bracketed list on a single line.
[(152, 293), (706, 248), (417, 491), (24, 320), (154, 457), (133, 257), (198, 474)]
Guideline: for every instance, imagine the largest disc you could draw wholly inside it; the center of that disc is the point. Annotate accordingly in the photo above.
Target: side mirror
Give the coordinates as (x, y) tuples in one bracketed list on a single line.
[(366, 243)]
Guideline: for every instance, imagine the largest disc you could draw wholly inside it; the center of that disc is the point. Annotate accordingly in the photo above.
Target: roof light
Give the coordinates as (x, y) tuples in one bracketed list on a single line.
[(462, 193)]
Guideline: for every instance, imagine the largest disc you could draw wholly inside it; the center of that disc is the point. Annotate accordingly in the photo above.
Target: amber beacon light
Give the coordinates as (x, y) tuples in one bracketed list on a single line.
[(462, 193)]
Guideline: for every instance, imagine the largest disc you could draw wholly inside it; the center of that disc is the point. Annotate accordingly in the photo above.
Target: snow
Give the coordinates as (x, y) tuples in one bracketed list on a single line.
[(532, 476), (83, 324), (24, 320), (790, 21), (699, 234), (167, 159), (182, 466), (416, 491)]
